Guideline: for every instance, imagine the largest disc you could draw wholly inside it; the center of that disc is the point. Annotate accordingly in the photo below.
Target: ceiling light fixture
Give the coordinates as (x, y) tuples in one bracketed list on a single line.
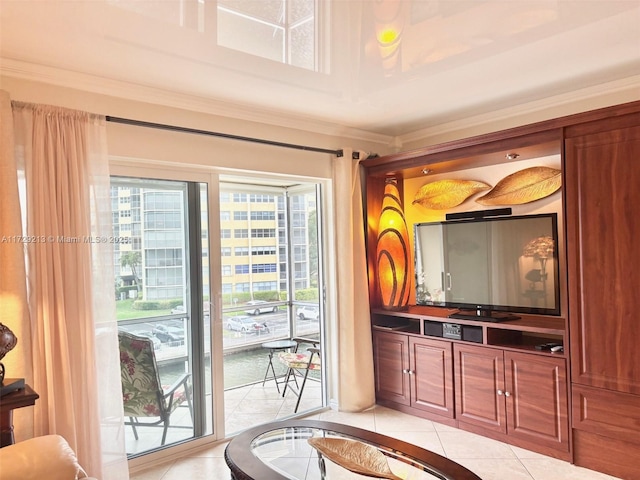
[(426, 171), (512, 156)]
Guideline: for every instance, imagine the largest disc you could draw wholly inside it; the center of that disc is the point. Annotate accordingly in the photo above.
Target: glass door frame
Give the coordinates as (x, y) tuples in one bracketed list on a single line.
[(211, 176), (142, 170)]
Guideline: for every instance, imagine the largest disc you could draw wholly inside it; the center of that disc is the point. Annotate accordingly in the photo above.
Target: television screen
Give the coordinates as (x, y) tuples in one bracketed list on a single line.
[(501, 264)]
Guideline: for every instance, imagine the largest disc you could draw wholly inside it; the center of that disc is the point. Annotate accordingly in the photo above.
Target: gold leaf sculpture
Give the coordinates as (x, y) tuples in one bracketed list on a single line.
[(524, 186), (355, 456), (443, 194)]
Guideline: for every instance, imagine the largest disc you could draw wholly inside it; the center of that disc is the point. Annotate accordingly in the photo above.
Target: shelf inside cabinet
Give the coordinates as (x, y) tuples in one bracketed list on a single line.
[(382, 321), (522, 334)]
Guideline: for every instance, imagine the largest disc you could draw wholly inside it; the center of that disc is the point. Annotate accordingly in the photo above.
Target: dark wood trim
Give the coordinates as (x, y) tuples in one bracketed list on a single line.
[(461, 154), (539, 132)]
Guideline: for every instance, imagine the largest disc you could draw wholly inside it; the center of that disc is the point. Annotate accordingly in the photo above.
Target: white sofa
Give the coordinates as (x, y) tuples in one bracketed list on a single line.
[(48, 457)]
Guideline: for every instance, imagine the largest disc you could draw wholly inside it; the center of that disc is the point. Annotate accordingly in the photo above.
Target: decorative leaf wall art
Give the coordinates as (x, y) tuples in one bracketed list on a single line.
[(524, 186), (443, 194)]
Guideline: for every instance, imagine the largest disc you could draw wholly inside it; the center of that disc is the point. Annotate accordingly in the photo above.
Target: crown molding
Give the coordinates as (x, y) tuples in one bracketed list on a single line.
[(143, 93), (629, 87)]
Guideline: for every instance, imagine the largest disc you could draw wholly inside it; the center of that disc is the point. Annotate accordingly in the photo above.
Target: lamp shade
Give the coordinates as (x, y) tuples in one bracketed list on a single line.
[(540, 247), (393, 250)]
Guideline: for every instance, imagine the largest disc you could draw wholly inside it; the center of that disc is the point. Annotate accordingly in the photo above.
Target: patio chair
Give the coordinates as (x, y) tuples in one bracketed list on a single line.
[(300, 364), (143, 395)]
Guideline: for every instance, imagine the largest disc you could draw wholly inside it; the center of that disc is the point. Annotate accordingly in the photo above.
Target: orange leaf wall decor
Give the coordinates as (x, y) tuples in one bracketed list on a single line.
[(443, 194), (524, 186)]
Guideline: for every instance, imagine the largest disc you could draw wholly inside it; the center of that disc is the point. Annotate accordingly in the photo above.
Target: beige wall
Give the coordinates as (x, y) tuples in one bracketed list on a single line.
[(553, 107)]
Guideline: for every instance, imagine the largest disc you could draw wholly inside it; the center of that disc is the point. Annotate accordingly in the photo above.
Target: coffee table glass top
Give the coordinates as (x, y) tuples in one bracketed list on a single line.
[(288, 452)]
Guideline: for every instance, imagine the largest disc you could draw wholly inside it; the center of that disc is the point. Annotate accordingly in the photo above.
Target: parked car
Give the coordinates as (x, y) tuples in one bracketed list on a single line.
[(144, 333), (307, 312), (244, 324), (256, 307), (156, 341), (178, 309), (169, 334)]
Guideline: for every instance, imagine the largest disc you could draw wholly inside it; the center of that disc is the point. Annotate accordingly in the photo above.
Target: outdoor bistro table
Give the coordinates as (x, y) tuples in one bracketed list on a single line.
[(273, 348), (280, 450)]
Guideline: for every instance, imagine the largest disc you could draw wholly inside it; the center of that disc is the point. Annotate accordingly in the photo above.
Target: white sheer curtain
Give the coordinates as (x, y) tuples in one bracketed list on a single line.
[(357, 389), (76, 363)]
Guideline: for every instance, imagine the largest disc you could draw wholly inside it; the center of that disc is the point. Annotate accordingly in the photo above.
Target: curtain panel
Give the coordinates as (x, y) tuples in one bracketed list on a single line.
[(62, 156), (356, 384), (13, 288)]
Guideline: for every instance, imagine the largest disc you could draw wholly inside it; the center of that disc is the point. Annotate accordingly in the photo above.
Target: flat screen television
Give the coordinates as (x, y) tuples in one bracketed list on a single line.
[(489, 268)]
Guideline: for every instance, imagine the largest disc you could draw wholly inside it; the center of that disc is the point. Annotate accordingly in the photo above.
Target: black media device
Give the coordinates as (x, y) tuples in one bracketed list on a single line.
[(452, 330), (489, 268)]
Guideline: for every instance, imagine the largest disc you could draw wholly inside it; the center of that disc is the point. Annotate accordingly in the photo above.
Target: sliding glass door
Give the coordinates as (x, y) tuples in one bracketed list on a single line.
[(271, 293), (264, 258), (162, 296)]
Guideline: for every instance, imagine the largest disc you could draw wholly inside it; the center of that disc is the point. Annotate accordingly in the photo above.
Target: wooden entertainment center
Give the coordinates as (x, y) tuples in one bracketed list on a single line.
[(581, 404)]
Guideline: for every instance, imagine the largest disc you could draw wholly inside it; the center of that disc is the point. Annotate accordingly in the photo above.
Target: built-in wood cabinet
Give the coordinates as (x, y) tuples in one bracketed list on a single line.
[(391, 366), (521, 395), (493, 381), (602, 195), (431, 371), (480, 387), (502, 386), (415, 372)]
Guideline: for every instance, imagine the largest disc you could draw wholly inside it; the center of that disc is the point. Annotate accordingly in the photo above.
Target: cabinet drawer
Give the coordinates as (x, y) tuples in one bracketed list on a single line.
[(607, 413)]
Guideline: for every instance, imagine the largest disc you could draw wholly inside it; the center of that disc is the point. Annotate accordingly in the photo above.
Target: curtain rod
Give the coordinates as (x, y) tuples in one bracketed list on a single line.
[(173, 128)]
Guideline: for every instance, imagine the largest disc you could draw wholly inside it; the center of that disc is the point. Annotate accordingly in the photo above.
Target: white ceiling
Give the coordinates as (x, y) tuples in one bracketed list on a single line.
[(455, 58)]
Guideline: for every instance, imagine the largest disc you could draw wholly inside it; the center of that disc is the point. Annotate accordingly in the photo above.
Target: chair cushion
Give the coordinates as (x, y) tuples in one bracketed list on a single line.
[(141, 392), (299, 360)]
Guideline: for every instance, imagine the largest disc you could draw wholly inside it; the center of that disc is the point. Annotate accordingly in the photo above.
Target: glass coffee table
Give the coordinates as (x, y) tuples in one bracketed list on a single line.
[(283, 450)]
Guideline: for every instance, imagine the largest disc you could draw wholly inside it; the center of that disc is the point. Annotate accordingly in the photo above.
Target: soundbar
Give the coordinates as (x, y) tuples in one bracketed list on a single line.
[(496, 212)]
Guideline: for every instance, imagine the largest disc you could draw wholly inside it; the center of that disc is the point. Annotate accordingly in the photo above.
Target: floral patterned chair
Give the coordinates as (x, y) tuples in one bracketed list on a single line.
[(143, 395), (300, 364)]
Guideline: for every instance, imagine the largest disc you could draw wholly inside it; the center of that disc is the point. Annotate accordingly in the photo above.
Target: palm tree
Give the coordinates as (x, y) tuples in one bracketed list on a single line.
[(132, 260)]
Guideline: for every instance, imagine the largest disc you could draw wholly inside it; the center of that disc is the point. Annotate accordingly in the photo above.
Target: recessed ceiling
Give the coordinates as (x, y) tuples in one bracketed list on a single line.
[(450, 59)]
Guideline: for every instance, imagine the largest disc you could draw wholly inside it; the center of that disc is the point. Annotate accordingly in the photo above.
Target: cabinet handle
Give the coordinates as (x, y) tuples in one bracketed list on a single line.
[(410, 372), (507, 394), (404, 370), (499, 392)]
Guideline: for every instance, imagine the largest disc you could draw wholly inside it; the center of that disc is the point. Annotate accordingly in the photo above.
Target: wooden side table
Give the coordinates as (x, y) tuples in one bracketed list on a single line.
[(24, 397)]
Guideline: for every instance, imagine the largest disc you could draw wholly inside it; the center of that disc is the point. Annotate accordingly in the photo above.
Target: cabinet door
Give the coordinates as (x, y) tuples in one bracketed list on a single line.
[(391, 363), (603, 229), (536, 399), (480, 386), (431, 367)]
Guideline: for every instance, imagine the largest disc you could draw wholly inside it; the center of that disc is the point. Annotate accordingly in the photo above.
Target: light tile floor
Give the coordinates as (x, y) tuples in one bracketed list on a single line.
[(245, 407), (489, 459)]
